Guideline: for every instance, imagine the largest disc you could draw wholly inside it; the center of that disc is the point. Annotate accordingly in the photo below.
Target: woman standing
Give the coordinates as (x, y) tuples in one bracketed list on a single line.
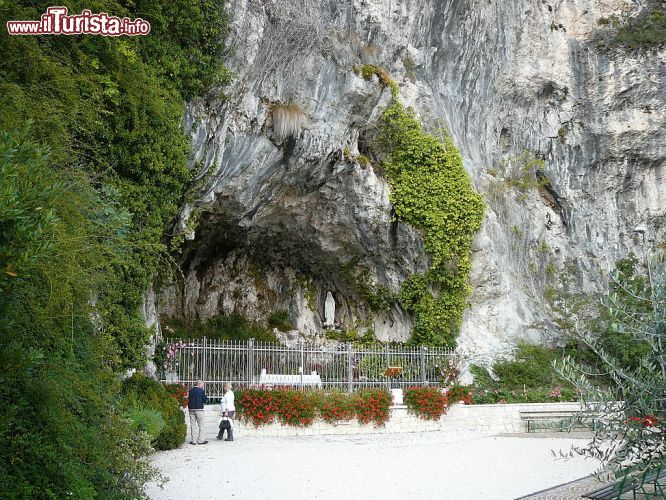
[(227, 409)]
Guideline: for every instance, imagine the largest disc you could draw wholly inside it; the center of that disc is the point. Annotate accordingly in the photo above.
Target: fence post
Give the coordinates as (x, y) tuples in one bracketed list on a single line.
[(302, 367), (350, 370), (250, 361), (203, 369), (388, 364), (423, 366)]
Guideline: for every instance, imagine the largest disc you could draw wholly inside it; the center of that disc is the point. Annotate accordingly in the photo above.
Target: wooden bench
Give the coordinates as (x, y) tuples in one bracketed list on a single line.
[(555, 419), (648, 480), (278, 379)]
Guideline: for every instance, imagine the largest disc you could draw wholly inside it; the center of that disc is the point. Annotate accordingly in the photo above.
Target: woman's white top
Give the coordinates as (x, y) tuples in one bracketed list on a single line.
[(228, 401)]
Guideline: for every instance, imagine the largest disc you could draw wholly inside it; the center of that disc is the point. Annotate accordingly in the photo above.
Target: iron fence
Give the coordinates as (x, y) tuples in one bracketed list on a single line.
[(341, 366)]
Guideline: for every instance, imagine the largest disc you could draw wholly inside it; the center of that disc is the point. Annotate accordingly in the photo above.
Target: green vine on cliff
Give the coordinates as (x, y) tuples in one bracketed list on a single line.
[(431, 190), (377, 297)]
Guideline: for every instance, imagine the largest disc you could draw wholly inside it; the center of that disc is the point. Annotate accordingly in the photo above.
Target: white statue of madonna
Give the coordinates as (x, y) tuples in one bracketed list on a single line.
[(329, 311)]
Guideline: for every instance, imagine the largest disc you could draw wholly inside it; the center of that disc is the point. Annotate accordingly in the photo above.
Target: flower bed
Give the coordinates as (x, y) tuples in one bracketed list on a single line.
[(428, 403), (457, 393), (300, 409), (372, 405), (336, 407)]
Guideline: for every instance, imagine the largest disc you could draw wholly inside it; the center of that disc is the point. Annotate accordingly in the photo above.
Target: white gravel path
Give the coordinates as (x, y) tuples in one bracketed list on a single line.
[(424, 466)]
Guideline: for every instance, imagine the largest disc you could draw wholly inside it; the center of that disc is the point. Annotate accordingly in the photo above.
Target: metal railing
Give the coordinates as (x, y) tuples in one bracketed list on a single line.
[(341, 366)]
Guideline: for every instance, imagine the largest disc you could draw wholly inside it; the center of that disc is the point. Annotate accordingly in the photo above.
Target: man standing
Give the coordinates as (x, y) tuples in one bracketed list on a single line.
[(196, 400)]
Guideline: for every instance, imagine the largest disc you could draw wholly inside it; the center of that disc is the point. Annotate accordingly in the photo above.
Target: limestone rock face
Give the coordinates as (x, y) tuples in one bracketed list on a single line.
[(284, 219)]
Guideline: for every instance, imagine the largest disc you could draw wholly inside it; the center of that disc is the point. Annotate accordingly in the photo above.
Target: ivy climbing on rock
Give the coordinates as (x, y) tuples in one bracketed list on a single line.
[(431, 190)]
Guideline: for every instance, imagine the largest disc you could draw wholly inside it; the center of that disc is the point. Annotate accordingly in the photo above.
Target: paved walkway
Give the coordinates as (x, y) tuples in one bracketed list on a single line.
[(573, 490), (433, 465)]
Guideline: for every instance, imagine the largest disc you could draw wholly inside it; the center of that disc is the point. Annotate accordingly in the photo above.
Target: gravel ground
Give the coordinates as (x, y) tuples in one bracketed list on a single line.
[(424, 466)]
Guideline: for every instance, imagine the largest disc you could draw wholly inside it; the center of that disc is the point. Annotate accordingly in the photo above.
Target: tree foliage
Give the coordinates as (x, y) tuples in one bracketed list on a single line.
[(631, 412), (113, 107), (88, 191), (61, 430)]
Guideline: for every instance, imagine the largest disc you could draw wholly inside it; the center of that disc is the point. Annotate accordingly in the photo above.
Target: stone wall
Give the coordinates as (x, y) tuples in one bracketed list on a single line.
[(494, 419), (488, 419), (401, 421)]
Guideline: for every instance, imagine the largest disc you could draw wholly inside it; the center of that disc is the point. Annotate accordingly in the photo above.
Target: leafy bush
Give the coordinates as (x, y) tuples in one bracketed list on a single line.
[(644, 31), (280, 320), (529, 378), (532, 367), (113, 107), (146, 420), (355, 336), (369, 71), (152, 395), (536, 395), (378, 297), (430, 190), (428, 403), (524, 172), (85, 201)]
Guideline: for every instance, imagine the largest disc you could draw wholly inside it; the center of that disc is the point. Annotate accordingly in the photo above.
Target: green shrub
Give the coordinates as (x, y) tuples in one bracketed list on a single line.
[(529, 378), (430, 190), (532, 367), (146, 420), (280, 320), (630, 413), (368, 71), (354, 336), (152, 395), (647, 30), (524, 172), (536, 395), (377, 297), (83, 217)]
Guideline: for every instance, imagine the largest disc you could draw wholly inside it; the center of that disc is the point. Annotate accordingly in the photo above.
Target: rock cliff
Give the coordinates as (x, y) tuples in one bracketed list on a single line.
[(292, 210)]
